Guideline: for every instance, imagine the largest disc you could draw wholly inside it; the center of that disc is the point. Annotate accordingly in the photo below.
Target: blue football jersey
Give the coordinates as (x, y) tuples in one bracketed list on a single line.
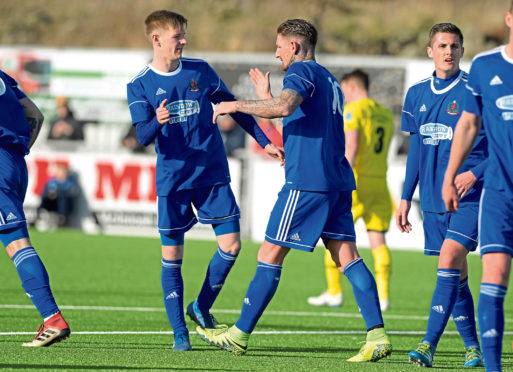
[(14, 127), (432, 108), (313, 136), (190, 151), (490, 95)]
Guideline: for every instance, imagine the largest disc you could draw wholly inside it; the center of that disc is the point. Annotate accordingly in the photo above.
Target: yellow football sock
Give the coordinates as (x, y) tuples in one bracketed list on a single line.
[(333, 276), (382, 267)]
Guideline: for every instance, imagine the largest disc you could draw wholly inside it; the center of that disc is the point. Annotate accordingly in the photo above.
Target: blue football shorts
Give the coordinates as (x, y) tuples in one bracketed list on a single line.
[(214, 204), (496, 222), (13, 186), (460, 226), (300, 218)]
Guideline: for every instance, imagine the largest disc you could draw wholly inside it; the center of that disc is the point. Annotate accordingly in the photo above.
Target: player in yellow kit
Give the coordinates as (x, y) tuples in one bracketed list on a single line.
[(368, 128)]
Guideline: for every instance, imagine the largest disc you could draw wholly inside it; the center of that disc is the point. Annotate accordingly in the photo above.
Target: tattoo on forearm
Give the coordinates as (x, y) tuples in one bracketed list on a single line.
[(35, 126), (271, 108)]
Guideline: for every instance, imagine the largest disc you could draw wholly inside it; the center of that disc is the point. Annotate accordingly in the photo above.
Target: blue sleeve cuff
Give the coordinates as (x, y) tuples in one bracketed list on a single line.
[(412, 168), (147, 130), (478, 170)]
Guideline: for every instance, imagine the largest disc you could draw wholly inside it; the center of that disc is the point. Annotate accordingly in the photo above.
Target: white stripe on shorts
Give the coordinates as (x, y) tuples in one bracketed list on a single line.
[(288, 213)]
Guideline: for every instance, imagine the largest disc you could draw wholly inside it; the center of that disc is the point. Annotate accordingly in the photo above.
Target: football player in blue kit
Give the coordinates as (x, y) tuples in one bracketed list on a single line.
[(170, 101), (489, 97), (316, 198), (20, 122), (430, 113)]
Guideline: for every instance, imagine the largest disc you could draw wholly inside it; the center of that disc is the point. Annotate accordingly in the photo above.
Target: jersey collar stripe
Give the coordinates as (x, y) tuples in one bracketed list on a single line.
[(2, 220), (447, 88), (142, 73), (505, 56), (172, 73)]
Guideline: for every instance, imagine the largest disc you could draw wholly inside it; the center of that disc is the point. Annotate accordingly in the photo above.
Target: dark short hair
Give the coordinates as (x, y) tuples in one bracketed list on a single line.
[(163, 19), (359, 76), (448, 28), (299, 27)]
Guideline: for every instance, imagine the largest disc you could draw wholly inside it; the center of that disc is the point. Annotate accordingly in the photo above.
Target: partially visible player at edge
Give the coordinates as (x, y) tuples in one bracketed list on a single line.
[(368, 129), (316, 198), (430, 113), (170, 101), (490, 97), (20, 122)]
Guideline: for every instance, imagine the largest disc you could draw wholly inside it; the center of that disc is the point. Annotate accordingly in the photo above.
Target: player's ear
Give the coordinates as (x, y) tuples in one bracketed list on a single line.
[(429, 52), (462, 50), (155, 39), (509, 19)]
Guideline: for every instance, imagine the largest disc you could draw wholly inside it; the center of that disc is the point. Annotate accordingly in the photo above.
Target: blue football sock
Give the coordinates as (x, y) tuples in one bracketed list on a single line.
[(34, 280), (464, 316), (365, 292), (442, 303), (260, 292), (218, 269), (172, 287), (490, 314)]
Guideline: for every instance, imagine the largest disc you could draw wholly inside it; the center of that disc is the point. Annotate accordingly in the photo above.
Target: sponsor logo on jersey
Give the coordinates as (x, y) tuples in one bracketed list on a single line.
[(507, 115), (423, 108), (505, 103), (496, 80), (453, 108), (435, 132), (491, 333), (160, 91), (11, 216), (295, 237), (182, 109), (193, 86), (439, 309)]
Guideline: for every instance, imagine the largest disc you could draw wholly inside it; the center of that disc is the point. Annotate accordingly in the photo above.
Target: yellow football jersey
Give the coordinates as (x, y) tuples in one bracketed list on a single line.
[(375, 124)]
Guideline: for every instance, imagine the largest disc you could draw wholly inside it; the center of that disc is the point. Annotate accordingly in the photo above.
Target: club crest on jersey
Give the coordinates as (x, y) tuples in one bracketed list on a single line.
[(193, 86), (453, 108), (435, 132)]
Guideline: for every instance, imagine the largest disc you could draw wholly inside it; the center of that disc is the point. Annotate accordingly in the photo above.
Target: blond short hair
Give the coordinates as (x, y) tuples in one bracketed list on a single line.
[(161, 19)]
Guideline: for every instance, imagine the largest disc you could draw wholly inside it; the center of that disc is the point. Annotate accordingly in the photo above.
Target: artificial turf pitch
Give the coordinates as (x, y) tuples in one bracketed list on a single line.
[(109, 290)]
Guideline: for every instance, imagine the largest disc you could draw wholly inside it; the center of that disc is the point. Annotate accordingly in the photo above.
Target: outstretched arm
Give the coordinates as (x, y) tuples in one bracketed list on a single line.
[(281, 106), (34, 116), (467, 129)]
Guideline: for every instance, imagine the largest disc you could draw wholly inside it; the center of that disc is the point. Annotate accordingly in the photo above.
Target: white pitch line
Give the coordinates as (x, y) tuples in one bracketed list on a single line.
[(399, 333), (230, 311)]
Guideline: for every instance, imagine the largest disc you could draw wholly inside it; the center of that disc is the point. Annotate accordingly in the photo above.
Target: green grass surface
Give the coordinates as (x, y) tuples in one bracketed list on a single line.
[(108, 271)]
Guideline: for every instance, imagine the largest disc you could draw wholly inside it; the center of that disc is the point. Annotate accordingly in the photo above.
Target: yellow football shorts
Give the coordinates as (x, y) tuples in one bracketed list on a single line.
[(372, 202)]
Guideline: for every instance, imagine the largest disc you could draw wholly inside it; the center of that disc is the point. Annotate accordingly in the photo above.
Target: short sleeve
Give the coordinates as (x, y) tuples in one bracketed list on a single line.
[(408, 123), (218, 91), (351, 118), (140, 107), (473, 102), (298, 80), (14, 86)]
